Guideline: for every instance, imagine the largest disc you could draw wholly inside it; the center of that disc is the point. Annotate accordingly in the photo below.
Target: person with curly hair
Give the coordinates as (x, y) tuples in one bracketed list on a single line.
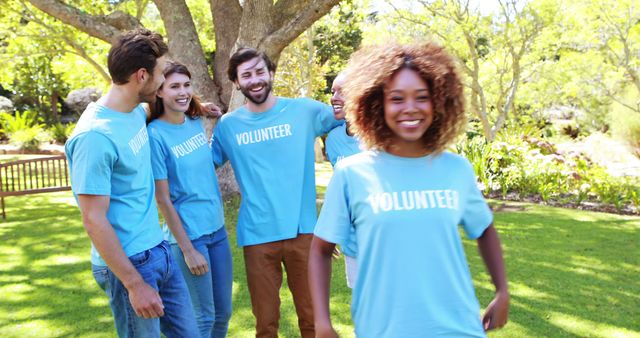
[(405, 198)]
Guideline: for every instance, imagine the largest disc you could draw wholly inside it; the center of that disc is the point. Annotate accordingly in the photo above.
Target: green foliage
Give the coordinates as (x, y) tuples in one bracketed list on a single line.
[(60, 132), (201, 13), (19, 121), (520, 165), (43, 57), (29, 139), (588, 59), (339, 34), (310, 63), (493, 48), (299, 72), (24, 130), (479, 152), (625, 121), (39, 87)]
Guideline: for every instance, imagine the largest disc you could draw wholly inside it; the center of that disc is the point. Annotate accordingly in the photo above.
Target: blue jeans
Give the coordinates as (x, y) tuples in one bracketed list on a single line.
[(158, 269), (211, 292)]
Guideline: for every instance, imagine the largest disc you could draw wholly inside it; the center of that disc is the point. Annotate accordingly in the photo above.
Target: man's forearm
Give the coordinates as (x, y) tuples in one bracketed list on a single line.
[(110, 249)]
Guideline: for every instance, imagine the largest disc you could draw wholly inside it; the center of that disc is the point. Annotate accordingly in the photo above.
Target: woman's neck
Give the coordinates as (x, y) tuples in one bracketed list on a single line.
[(173, 117)]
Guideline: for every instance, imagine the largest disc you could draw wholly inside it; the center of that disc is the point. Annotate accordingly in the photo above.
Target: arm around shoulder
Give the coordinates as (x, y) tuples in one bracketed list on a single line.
[(217, 147)]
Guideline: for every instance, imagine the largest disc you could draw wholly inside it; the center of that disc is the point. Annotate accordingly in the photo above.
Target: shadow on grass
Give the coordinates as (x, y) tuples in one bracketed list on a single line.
[(46, 282), (571, 273)]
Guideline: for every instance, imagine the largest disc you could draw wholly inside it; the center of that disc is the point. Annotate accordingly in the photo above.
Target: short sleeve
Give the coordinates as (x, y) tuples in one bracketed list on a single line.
[(476, 215), (324, 119), (334, 222), (217, 150), (158, 156), (330, 148), (92, 159)]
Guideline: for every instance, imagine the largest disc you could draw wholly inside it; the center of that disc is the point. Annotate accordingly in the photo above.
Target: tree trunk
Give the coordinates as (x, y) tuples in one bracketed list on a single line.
[(226, 18), (185, 46), (55, 97)]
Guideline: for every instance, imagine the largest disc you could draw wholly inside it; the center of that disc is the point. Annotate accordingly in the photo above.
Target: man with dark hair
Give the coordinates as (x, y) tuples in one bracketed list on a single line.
[(111, 177), (269, 142)]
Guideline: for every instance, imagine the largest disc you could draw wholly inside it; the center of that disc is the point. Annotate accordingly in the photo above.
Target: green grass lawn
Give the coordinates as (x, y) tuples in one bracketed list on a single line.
[(572, 273)]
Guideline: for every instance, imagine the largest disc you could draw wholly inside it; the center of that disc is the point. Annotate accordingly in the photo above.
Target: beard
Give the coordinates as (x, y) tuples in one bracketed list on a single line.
[(147, 97), (257, 98), (148, 94)]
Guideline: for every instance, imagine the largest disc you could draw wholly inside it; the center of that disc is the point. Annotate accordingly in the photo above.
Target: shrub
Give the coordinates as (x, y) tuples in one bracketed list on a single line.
[(24, 130), (60, 132), (19, 121), (478, 152), (29, 139), (518, 164)]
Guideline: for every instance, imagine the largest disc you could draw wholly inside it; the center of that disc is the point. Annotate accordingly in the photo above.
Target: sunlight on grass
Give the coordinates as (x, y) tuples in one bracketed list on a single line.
[(572, 273), (68, 200), (344, 331), (58, 260), (525, 291), (323, 176), (35, 328), (99, 301), (16, 292), (585, 328)]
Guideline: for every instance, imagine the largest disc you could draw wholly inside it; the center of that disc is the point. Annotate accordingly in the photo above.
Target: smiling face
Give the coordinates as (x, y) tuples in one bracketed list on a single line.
[(337, 100), (255, 80), (176, 93), (408, 112)]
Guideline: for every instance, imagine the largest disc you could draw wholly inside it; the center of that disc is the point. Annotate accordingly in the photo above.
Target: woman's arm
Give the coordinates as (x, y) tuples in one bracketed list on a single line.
[(497, 311), (195, 261), (319, 277)]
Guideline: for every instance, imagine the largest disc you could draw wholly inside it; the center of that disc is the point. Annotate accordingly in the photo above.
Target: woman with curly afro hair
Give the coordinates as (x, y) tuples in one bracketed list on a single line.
[(405, 198)]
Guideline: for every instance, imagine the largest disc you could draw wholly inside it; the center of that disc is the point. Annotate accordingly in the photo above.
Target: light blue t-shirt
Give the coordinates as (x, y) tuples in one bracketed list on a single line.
[(109, 155), (180, 154), (338, 146), (272, 156), (413, 279)]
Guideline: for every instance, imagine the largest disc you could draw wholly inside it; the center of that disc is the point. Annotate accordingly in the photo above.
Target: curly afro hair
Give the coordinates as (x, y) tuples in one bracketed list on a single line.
[(371, 68)]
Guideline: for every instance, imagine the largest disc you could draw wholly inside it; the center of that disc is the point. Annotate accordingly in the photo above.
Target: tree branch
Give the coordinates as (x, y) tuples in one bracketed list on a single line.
[(285, 10), (77, 49), (226, 16), (98, 26), (276, 41)]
